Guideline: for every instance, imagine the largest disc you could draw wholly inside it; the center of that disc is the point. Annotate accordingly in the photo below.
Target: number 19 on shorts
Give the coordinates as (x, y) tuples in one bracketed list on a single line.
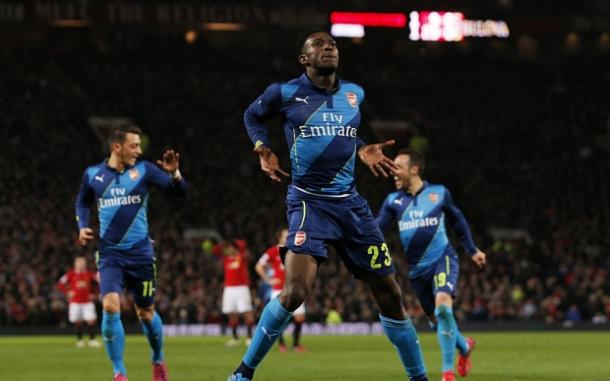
[(440, 280)]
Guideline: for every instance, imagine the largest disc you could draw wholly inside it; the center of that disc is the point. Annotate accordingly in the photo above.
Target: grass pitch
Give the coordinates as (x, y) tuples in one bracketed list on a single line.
[(498, 357)]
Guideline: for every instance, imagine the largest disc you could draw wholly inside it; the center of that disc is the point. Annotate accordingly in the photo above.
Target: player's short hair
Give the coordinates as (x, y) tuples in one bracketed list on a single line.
[(305, 35), (416, 158), (119, 133)]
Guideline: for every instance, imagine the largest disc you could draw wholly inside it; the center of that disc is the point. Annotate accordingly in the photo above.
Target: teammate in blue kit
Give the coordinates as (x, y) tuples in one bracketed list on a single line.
[(321, 116), (119, 187), (420, 209)]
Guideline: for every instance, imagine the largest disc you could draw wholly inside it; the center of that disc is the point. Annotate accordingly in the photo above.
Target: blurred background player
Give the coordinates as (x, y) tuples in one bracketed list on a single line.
[(421, 209), (236, 298), (271, 270), (79, 285), (119, 186), (321, 115)]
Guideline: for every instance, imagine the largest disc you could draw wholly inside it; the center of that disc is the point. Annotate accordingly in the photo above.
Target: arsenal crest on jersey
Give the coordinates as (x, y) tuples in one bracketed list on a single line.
[(134, 174), (433, 197), (352, 99), (299, 238)]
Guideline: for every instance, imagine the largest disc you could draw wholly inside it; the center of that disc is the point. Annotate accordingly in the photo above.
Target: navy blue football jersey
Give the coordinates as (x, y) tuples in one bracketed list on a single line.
[(321, 130), (122, 204), (421, 221)]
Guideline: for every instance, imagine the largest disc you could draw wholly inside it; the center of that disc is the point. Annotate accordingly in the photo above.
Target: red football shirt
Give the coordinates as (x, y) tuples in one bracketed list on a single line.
[(235, 265), (79, 286), (272, 258)]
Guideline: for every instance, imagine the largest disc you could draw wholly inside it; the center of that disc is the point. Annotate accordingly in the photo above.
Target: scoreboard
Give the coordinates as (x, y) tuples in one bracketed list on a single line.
[(422, 25), (452, 26)]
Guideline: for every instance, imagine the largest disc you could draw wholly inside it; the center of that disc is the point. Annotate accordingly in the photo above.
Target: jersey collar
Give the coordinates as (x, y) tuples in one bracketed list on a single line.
[(424, 186), (127, 166), (304, 80)]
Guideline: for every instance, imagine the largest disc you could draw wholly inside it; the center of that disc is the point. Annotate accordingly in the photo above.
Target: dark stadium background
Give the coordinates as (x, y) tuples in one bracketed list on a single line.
[(518, 128)]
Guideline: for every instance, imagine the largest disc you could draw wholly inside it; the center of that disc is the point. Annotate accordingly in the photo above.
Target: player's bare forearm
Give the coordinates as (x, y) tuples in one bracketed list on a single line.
[(260, 270)]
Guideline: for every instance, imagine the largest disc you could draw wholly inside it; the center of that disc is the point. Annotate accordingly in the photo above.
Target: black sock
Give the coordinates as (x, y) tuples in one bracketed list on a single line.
[(234, 329), (249, 331), (297, 333), (92, 332), (79, 331), (245, 370)]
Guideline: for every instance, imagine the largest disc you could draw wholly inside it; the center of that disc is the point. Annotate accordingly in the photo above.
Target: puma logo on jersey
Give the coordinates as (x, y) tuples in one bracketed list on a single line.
[(304, 100), (99, 178), (398, 201)]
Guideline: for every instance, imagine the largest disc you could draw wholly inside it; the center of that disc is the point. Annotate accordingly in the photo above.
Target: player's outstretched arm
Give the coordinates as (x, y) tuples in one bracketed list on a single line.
[(372, 156), (270, 164), (261, 270), (456, 217), (84, 199), (267, 106), (168, 164)]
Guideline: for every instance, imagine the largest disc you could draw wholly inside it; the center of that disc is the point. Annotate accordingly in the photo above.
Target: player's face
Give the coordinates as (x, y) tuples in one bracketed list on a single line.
[(283, 237), (80, 264), (130, 150), (402, 174), (320, 52)]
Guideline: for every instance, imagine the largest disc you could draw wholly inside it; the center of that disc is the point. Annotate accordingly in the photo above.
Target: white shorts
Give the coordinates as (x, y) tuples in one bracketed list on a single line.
[(81, 312), (298, 311), (236, 299)]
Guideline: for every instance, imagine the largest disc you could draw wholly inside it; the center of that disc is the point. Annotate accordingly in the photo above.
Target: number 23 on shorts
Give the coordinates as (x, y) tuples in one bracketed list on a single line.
[(374, 251)]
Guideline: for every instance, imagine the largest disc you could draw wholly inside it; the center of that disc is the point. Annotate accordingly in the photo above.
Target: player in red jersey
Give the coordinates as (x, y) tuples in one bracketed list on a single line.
[(79, 285), (271, 270), (236, 298)]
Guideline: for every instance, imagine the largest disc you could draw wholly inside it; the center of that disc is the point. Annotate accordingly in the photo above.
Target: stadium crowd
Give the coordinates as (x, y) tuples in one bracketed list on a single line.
[(514, 140)]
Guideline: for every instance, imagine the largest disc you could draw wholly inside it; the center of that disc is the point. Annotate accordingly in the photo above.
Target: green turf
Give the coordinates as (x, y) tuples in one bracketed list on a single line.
[(499, 357)]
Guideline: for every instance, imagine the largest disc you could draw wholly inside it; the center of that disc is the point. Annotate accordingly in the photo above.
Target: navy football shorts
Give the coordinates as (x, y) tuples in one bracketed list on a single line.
[(348, 225), (138, 278), (442, 277)]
